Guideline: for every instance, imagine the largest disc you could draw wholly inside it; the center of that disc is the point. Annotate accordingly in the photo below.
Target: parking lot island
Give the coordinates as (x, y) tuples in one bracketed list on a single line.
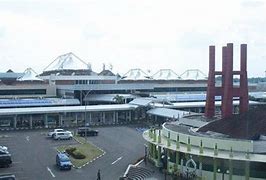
[(90, 152)]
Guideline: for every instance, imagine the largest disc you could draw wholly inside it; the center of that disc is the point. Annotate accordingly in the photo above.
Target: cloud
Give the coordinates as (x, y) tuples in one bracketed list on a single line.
[(30, 38), (2, 32), (150, 34), (252, 4)]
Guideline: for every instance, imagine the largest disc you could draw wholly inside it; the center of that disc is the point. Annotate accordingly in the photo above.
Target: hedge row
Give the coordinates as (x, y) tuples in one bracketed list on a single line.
[(72, 151)]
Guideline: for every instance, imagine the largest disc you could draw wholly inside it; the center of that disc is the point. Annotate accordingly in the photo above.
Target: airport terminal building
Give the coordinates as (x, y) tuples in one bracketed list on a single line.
[(226, 144), (184, 151), (69, 93)]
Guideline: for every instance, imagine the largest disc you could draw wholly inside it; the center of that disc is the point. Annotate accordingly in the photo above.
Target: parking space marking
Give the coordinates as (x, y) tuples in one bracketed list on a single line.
[(16, 162), (50, 171), (118, 159), (24, 177), (28, 138), (4, 136), (13, 172)]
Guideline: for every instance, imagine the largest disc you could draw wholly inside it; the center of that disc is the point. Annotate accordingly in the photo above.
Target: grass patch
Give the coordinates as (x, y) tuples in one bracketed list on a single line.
[(89, 150)]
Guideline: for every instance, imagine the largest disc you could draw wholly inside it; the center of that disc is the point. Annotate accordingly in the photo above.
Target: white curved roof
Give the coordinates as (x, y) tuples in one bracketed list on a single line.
[(165, 74), (67, 61), (193, 74), (29, 75), (135, 74), (64, 109)]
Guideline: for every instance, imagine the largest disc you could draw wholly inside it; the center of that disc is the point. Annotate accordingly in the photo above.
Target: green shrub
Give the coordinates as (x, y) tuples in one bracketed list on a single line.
[(78, 155), (70, 150)]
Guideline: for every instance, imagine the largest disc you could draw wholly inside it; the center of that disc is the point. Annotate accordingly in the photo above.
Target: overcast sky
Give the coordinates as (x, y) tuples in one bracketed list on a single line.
[(146, 34)]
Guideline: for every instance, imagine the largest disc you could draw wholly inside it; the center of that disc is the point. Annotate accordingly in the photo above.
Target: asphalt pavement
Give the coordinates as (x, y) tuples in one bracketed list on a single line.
[(33, 154)]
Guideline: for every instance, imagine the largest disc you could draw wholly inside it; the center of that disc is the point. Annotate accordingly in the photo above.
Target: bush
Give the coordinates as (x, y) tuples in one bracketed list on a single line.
[(70, 150), (78, 155)]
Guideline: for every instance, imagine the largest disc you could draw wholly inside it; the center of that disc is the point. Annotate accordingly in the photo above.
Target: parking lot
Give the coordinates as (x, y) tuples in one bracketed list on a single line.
[(33, 154)]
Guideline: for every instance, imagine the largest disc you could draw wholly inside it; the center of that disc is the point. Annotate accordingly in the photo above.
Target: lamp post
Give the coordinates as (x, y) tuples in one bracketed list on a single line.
[(221, 171), (85, 119), (145, 153)]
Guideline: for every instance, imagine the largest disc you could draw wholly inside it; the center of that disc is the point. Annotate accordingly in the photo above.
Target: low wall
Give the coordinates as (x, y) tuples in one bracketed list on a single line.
[(208, 142)]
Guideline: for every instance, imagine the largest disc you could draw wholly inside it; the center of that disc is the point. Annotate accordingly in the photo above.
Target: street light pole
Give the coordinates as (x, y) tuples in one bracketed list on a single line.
[(145, 153), (85, 119)]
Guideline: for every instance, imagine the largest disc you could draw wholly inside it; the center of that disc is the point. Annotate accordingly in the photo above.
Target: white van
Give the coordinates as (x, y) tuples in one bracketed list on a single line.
[(63, 135)]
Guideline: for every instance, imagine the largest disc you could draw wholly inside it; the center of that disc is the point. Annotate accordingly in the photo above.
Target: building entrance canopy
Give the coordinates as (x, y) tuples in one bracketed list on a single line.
[(65, 109)]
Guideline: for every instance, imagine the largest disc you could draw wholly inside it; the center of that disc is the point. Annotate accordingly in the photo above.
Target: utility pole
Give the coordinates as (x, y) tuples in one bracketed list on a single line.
[(85, 119)]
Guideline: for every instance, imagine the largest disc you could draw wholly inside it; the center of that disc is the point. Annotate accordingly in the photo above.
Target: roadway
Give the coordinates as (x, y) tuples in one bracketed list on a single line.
[(33, 154)]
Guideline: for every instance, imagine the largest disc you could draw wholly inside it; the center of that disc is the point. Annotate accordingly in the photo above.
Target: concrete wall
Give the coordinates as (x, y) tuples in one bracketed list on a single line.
[(51, 90), (208, 142), (206, 175)]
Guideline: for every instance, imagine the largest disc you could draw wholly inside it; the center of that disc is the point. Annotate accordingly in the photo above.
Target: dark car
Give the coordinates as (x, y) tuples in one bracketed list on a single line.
[(63, 161), (5, 158), (7, 177), (83, 131)]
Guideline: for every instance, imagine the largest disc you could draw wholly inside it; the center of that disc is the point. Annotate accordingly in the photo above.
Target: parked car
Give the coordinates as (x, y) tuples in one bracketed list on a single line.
[(83, 131), (51, 133), (63, 161), (63, 135), (5, 158), (3, 148), (7, 177)]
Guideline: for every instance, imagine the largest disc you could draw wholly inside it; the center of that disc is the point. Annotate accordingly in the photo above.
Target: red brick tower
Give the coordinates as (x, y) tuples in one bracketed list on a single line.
[(227, 91)]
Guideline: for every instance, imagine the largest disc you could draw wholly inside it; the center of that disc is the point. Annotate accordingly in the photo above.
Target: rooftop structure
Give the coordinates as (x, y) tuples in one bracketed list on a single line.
[(135, 74), (29, 75), (106, 73), (111, 98), (209, 147), (26, 102), (178, 146), (9, 77), (227, 90), (66, 62), (65, 109), (165, 74), (67, 65), (248, 125), (193, 74)]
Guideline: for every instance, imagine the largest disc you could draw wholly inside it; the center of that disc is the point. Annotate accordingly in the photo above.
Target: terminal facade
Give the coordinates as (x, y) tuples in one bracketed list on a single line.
[(183, 149), (69, 94), (70, 83)]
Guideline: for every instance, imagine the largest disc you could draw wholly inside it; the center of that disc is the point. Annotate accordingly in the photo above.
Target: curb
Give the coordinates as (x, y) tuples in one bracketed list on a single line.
[(108, 124), (103, 153), (91, 161)]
